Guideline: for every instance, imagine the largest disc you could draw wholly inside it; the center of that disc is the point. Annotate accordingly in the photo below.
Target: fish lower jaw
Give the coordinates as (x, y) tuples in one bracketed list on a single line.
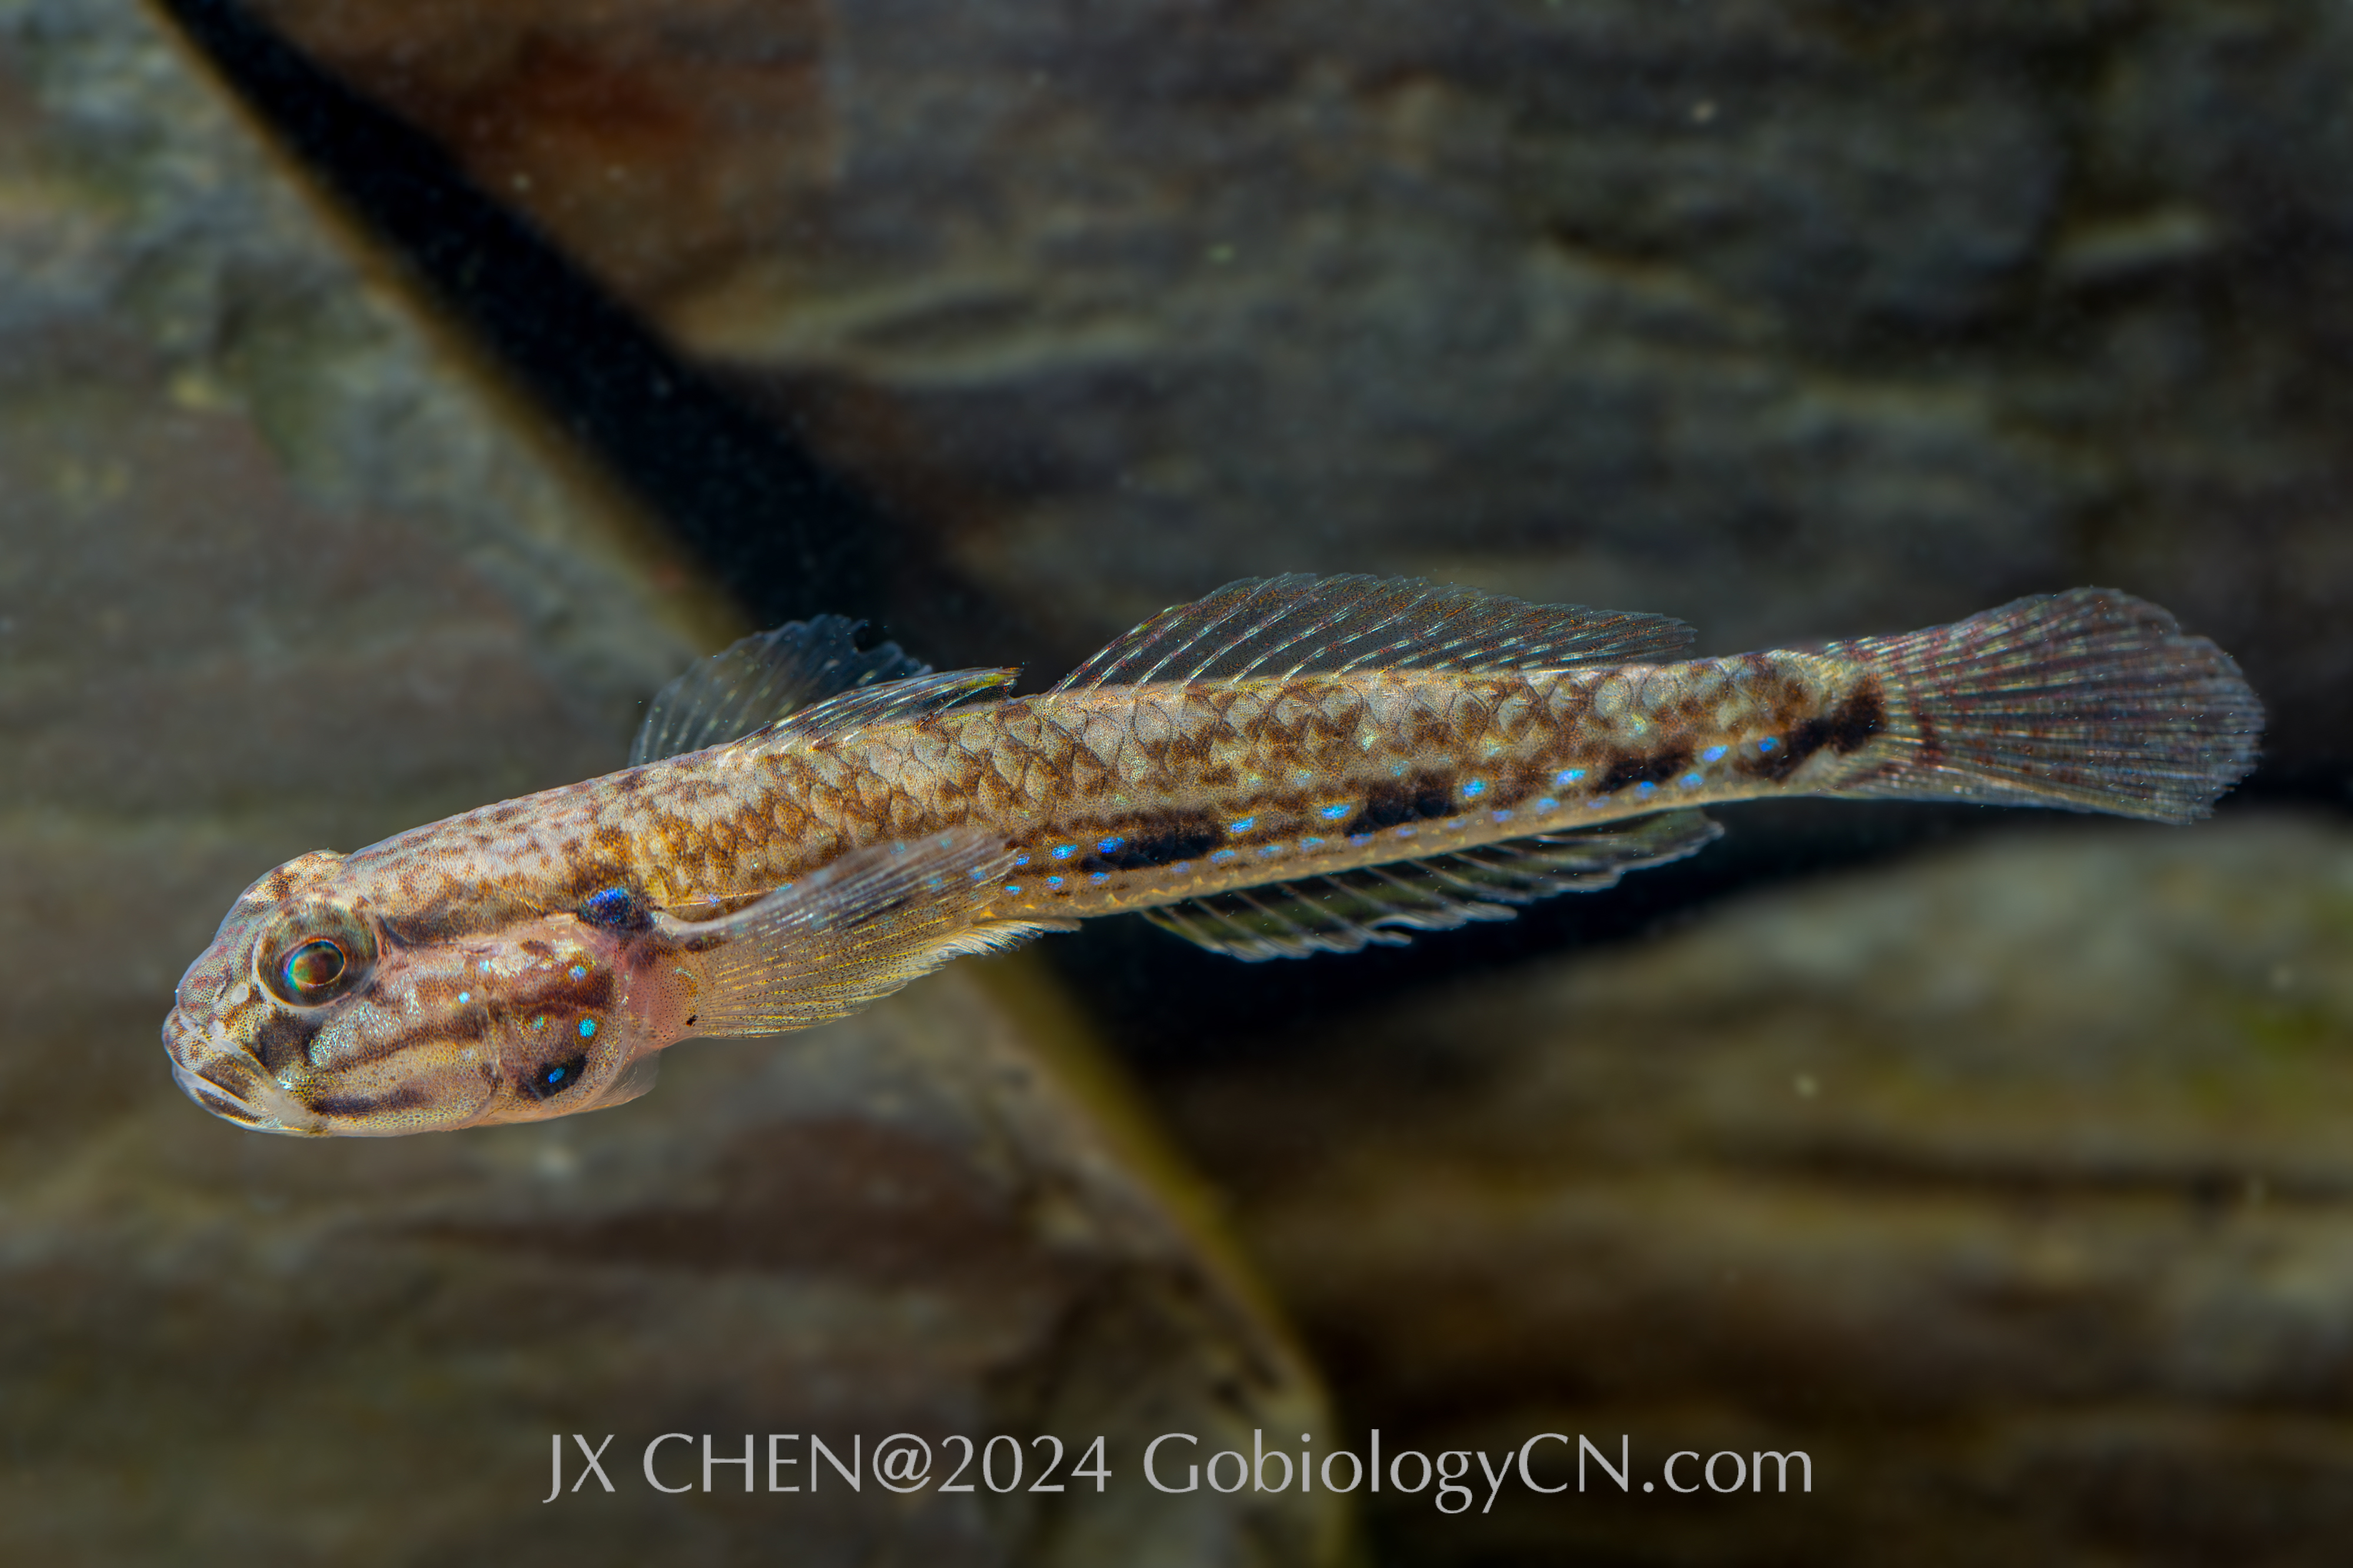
[(266, 1108)]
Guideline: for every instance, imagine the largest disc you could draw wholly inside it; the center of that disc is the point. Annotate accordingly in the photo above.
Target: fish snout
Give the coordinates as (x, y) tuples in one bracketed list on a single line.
[(217, 1072)]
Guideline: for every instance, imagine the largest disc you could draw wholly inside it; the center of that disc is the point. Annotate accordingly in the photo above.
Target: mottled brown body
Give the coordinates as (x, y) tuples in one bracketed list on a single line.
[(1285, 767), (1126, 797)]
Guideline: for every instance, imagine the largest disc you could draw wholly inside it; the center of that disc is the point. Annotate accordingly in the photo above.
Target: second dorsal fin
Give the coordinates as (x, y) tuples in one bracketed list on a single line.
[(1296, 624), (1350, 909), (753, 683)]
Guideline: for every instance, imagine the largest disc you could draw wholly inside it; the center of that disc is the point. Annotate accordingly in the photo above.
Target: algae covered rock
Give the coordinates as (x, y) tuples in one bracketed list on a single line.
[(2011, 1186), (281, 565), (1792, 319)]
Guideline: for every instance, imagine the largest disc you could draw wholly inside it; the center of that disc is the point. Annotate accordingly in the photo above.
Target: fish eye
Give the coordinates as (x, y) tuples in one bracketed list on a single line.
[(313, 956), (313, 966), (549, 1080)]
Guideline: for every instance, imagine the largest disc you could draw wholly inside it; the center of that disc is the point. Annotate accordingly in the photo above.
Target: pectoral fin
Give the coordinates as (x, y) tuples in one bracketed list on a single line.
[(860, 928)]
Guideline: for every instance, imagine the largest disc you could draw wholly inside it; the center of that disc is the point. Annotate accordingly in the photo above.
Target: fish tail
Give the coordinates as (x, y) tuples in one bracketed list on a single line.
[(2087, 701)]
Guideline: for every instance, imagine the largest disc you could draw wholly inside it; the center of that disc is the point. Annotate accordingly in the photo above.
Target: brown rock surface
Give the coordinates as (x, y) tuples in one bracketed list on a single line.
[(2010, 1186), (279, 567), (1793, 319)]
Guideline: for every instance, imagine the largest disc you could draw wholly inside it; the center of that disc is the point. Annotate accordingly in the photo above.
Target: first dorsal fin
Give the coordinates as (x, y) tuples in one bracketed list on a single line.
[(839, 717), (1296, 624), (1350, 909), (762, 678)]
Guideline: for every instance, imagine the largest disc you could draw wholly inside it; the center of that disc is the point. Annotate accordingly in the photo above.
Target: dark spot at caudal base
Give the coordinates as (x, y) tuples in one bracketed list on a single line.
[(1845, 729)]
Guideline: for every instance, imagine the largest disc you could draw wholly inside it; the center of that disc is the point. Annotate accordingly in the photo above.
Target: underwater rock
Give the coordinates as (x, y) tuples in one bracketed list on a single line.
[(281, 565), (1794, 321), (921, 1221), (2010, 1184)]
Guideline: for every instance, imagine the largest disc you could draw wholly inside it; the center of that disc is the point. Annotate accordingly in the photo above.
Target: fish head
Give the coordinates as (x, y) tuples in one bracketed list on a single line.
[(326, 1006)]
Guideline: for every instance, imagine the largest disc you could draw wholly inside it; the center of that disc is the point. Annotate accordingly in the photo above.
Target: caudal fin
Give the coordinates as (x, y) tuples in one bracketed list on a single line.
[(2089, 700)]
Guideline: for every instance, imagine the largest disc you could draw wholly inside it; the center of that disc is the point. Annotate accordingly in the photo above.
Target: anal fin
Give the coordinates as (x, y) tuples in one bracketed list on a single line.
[(1351, 909)]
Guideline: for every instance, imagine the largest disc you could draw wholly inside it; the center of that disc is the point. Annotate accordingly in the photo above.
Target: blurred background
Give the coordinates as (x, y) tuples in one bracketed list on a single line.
[(393, 394)]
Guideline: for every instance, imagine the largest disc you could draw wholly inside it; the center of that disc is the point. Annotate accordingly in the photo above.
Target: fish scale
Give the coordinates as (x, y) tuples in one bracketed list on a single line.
[(1285, 767)]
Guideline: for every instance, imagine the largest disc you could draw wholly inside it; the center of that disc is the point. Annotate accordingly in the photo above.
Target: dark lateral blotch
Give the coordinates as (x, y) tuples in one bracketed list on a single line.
[(1419, 800), (1656, 768), (1162, 846)]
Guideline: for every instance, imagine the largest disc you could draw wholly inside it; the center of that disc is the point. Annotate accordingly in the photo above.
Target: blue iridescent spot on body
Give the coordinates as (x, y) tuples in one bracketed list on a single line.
[(540, 1022), (555, 1075), (587, 1028), (1767, 743), (1311, 844), (1645, 790), (1022, 859), (1109, 845), (1474, 789), (1012, 887), (616, 908), (1547, 803), (1240, 824), (1064, 851), (1691, 781), (1053, 881), (465, 997), (1099, 878), (579, 972), (1335, 813), (1568, 775), (1270, 850), (1221, 855), (1503, 815), (1407, 832), (1713, 754)]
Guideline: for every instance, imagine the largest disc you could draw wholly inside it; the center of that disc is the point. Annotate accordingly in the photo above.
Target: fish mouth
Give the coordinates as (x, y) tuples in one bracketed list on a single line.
[(217, 1077), (213, 1071)]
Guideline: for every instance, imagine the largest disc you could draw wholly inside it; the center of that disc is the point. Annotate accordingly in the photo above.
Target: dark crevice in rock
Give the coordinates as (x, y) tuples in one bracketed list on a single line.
[(785, 535)]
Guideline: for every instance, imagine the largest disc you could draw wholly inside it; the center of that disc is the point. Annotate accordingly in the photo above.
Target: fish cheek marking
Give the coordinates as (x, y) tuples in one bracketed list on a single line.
[(408, 1096), (284, 1038), (547, 1079)]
